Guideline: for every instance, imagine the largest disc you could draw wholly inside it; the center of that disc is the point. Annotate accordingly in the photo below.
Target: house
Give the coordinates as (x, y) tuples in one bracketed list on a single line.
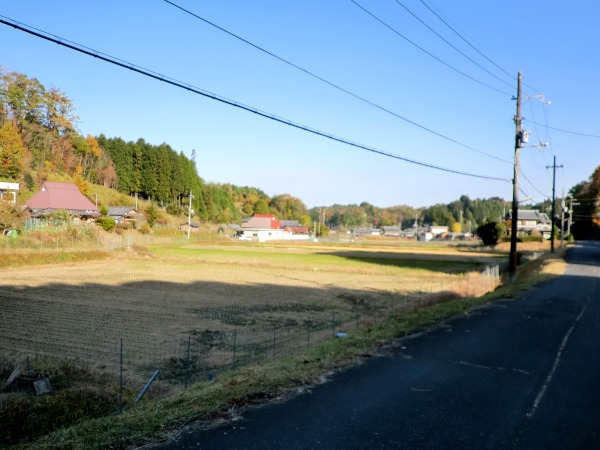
[(296, 233), (532, 220), (123, 214), (192, 227), (8, 191), (261, 227), (391, 231), (437, 230), (266, 227), (290, 223), (66, 196)]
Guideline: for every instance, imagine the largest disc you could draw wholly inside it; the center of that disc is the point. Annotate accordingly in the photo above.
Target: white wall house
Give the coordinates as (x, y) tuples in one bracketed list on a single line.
[(266, 227), (8, 191)]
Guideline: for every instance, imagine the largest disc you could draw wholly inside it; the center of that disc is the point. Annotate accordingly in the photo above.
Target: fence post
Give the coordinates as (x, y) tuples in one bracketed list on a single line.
[(121, 380), (187, 363), (274, 341), (30, 389), (333, 323), (234, 344)]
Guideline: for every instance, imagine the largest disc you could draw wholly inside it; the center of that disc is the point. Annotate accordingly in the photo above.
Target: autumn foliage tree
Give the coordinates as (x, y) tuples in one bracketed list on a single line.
[(11, 151)]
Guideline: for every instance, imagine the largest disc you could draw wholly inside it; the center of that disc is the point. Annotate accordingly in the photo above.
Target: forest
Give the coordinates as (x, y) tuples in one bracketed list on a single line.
[(39, 141)]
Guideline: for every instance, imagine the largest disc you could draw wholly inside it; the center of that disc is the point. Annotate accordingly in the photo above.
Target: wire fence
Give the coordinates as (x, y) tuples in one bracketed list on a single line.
[(120, 368)]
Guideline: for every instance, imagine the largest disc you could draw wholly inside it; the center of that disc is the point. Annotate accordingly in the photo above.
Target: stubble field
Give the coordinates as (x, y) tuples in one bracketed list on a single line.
[(212, 305)]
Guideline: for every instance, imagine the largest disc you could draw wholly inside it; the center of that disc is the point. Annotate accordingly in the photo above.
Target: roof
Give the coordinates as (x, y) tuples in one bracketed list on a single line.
[(290, 223), (55, 195), (297, 230), (121, 210), (264, 221), (531, 214)]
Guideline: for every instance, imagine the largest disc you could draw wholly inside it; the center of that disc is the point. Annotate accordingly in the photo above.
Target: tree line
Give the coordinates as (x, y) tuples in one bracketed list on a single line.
[(39, 140)]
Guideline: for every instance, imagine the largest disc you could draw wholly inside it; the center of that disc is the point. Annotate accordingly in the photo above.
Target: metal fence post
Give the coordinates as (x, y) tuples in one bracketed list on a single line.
[(121, 380), (234, 344), (30, 389), (333, 323), (187, 364), (274, 341)]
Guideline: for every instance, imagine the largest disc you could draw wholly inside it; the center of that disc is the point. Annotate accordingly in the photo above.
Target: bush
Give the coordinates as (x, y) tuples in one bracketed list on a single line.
[(11, 216), (62, 215), (491, 232), (107, 223), (175, 210), (530, 238), (103, 210), (146, 229)]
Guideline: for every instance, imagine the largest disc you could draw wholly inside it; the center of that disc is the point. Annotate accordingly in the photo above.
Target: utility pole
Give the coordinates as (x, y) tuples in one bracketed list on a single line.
[(562, 220), (512, 261), (570, 221), (190, 215), (553, 166)]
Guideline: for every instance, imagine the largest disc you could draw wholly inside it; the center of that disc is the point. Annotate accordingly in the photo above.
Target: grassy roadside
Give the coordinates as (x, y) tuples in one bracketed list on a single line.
[(152, 420)]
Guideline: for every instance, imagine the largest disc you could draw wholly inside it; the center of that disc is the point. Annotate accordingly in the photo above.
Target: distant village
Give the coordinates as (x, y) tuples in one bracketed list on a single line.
[(260, 227)]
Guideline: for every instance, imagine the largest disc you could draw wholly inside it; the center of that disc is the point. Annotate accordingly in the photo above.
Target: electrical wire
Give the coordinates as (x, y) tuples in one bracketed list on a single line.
[(124, 64), (532, 185), (472, 46), (565, 131), (336, 86), (451, 45), (427, 52)]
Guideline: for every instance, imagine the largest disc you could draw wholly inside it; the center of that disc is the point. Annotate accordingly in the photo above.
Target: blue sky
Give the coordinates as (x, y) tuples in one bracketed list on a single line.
[(554, 45)]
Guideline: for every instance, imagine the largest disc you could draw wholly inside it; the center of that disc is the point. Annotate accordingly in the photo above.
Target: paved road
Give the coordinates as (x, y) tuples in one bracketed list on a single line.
[(519, 374)]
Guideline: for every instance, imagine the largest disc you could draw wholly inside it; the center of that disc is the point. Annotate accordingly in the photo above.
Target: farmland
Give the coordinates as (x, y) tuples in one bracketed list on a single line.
[(195, 310), (157, 301)]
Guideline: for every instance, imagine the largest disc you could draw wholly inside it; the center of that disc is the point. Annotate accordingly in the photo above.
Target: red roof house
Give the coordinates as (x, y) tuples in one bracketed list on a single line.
[(263, 221), (55, 196)]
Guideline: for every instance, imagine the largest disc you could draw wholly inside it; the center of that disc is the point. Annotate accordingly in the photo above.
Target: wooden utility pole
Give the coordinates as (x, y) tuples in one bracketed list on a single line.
[(515, 202), (553, 166)]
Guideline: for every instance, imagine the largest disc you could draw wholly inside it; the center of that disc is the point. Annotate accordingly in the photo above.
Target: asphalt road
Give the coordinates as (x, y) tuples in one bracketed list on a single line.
[(521, 373)]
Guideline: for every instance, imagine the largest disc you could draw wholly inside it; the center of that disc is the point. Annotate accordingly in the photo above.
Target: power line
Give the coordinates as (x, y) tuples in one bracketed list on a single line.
[(471, 45), (451, 45), (427, 52), (124, 64), (531, 184), (336, 86), (564, 131)]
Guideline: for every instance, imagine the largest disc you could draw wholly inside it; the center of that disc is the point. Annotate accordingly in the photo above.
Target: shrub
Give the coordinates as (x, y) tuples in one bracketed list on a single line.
[(103, 210), (107, 223), (145, 229), (175, 210), (11, 216), (530, 238), (62, 215), (491, 232)]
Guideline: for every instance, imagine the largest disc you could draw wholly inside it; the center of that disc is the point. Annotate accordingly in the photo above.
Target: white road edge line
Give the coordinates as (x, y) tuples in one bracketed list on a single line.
[(540, 395)]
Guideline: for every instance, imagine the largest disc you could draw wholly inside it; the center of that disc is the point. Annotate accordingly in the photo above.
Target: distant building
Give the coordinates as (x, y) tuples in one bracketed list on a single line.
[(123, 214), (8, 191), (266, 227), (53, 196), (529, 221)]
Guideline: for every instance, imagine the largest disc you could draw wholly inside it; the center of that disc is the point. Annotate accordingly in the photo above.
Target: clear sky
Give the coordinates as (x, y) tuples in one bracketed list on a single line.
[(555, 45)]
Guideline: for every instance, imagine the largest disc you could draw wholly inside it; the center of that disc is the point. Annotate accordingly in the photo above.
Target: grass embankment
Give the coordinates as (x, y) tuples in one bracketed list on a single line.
[(220, 398), (39, 258)]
